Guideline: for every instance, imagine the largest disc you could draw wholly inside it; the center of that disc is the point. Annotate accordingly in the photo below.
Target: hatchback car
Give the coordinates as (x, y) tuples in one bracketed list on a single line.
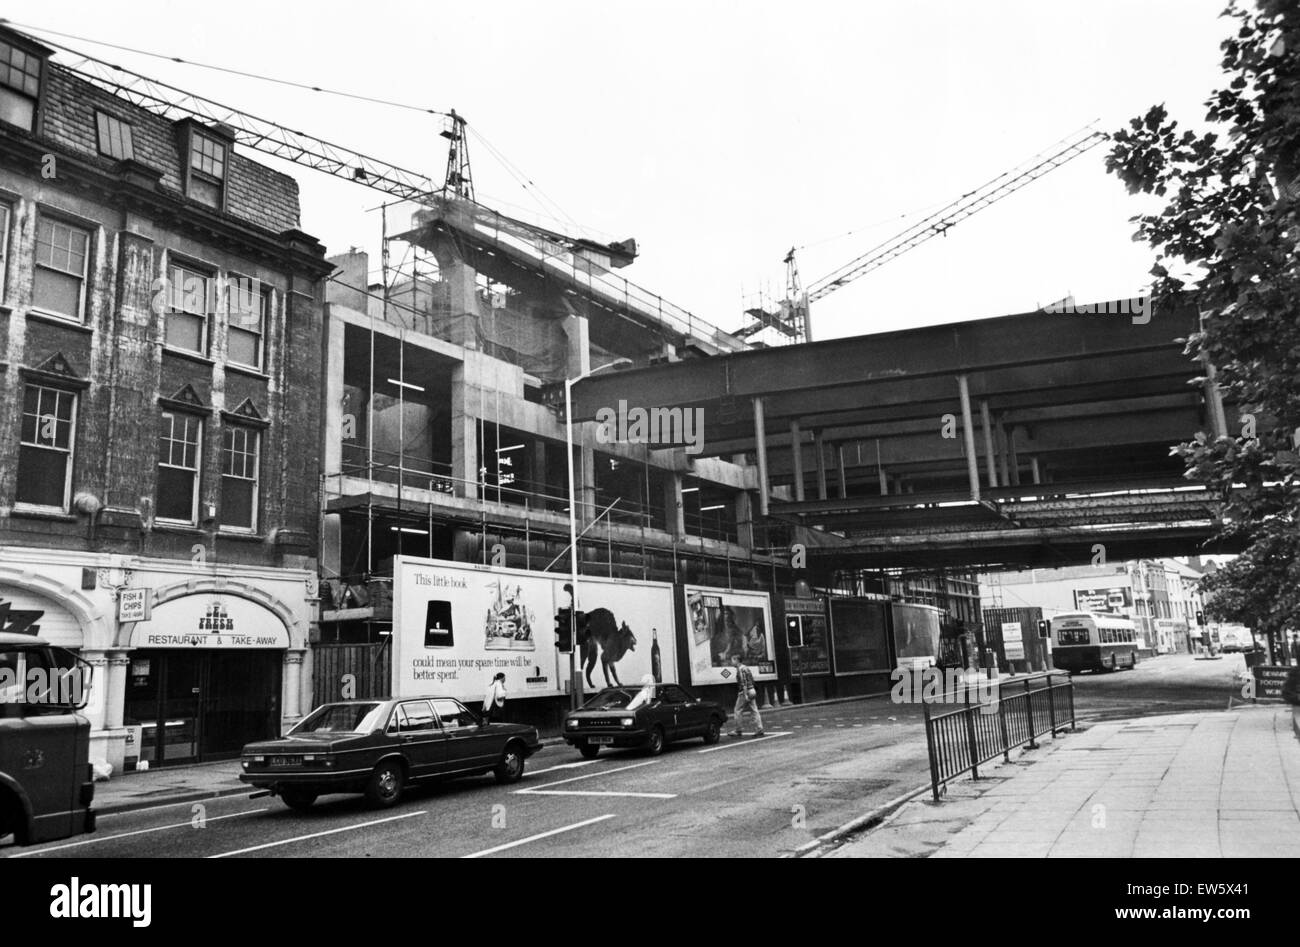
[(379, 747), (649, 716)]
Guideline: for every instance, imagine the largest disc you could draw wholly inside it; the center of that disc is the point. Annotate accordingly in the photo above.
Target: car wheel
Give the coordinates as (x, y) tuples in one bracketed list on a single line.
[(713, 732), (589, 751), (386, 784), (298, 800), (655, 745), (511, 767)]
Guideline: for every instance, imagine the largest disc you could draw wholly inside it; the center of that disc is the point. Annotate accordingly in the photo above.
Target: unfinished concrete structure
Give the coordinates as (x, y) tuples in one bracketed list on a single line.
[(444, 433)]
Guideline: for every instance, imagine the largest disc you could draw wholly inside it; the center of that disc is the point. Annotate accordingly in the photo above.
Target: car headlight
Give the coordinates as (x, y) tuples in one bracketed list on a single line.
[(571, 724), (259, 759), (628, 721)]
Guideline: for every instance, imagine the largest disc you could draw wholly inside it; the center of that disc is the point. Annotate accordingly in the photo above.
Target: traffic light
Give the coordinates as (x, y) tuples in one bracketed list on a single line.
[(1044, 629), (580, 625), (564, 630), (793, 631), (1200, 618)]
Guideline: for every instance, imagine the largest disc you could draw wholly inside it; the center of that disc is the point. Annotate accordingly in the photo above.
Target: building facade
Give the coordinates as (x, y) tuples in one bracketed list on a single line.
[(1158, 595), (160, 363)]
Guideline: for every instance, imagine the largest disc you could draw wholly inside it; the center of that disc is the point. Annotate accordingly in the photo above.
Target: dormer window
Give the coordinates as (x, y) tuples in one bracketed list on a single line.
[(20, 85), (207, 169)]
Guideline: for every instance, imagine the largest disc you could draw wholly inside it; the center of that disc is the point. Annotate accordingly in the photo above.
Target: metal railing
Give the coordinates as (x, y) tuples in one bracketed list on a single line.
[(961, 739)]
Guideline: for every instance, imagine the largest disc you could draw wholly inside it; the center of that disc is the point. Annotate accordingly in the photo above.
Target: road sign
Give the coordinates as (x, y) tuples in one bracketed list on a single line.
[(1269, 680), (133, 605), (1013, 641)]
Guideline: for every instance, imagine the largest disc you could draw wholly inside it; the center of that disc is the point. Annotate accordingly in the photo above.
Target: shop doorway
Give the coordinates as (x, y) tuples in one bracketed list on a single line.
[(193, 706)]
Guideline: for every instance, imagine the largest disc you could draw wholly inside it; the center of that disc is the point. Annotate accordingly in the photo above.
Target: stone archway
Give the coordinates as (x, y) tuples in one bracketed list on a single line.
[(95, 625), (223, 586)]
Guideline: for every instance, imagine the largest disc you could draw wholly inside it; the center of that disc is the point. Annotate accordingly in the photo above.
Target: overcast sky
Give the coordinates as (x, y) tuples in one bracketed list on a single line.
[(721, 134)]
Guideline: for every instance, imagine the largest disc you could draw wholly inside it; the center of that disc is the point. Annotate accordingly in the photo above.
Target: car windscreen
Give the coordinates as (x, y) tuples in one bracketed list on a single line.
[(609, 700), (341, 718)]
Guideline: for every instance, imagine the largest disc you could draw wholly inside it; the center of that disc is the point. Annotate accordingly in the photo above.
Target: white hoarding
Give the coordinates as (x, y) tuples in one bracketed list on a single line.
[(455, 625), (721, 623)]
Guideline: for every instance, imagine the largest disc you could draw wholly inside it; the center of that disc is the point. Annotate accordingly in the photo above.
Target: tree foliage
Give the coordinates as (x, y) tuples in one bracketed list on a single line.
[(1226, 239)]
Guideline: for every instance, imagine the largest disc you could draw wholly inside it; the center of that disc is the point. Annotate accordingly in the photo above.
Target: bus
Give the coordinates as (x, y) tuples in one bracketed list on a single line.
[(1235, 638), (1087, 641)]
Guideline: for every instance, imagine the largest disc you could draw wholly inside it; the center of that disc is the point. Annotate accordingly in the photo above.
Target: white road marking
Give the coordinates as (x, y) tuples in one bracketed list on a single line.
[(534, 838), (746, 741), (574, 779), (304, 838), (593, 792), (157, 828), (538, 772)]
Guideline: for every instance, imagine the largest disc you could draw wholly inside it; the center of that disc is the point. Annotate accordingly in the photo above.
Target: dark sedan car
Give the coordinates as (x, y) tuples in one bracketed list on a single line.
[(379, 747), (649, 715)]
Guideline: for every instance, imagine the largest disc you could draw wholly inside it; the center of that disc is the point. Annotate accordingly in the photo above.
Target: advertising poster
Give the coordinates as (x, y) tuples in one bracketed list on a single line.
[(1114, 601), (455, 625), (916, 634), (807, 636), (720, 624)]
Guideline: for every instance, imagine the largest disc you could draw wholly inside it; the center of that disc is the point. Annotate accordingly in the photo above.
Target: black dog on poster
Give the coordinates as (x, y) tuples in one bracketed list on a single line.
[(614, 640)]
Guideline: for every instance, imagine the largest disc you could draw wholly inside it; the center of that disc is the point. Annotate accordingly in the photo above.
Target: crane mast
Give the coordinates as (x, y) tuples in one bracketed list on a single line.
[(792, 318), (969, 204)]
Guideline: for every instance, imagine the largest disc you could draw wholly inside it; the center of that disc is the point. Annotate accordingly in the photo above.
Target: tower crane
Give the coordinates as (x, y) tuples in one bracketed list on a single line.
[(792, 316), (280, 141)]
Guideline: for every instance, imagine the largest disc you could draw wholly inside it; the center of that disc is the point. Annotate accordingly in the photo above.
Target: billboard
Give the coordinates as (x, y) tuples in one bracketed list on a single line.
[(455, 625), (719, 624), (1112, 601)]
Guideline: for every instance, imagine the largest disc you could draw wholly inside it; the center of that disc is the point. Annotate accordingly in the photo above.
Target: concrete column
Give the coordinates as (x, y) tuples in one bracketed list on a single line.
[(1014, 458), (1002, 451), (744, 519), (760, 446), (537, 482), (1033, 466), (796, 447), (844, 480), (884, 481), (584, 473), (115, 707), (990, 466), (578, 358), (462, 294), (464, 428), (968, 433), (821, 464), (96, 709), (294, 699), (676, 511)]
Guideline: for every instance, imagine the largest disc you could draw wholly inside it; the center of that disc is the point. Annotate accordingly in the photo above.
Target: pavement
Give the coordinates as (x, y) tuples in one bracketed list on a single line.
[(1193, 785)]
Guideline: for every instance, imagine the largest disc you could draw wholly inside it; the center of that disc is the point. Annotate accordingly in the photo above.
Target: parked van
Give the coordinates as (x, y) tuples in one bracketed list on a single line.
[(46, 782)]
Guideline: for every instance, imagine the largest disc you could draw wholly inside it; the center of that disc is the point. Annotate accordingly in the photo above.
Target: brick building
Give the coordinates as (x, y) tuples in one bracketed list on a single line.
[(160, 363)]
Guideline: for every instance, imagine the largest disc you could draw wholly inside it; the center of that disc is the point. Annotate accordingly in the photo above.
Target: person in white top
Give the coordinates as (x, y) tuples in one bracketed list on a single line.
[(646, 694), (494, 701)]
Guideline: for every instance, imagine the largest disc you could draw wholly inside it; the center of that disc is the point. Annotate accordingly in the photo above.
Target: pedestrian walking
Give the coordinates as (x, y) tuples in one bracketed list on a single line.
[(746, 698), (494, 701)]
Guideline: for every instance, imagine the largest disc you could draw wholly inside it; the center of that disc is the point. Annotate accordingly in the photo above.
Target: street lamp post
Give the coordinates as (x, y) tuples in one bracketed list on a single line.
[(575, 681)]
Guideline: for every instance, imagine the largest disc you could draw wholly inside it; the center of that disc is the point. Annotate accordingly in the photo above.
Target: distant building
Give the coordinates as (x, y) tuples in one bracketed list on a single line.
[(160, 351), (1158, 595)]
